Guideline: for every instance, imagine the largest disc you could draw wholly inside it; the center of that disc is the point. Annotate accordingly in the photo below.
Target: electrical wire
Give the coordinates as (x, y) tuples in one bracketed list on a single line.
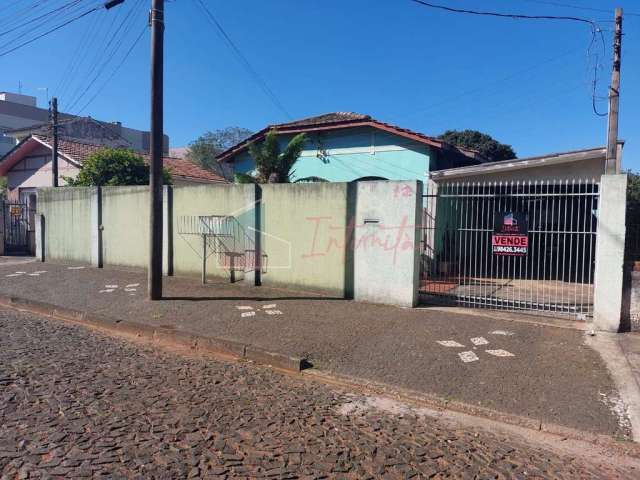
[(243, 60), (594, 29), (115, 71), (51, 12), (577, 7), (108, 55), (515, 16), (51, 30), (98, 53), (85, 44)]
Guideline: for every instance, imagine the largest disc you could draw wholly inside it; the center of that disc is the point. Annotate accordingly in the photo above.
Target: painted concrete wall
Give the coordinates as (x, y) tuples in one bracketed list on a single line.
[(350, 154), (309, 234), (609, 270), (304, 229), (386, 250), (67, 215), (234, 200), (125, 221)]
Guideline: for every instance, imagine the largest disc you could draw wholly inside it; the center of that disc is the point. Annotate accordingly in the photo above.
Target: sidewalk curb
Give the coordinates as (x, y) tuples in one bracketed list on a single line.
[(160, 335), (435, 402)]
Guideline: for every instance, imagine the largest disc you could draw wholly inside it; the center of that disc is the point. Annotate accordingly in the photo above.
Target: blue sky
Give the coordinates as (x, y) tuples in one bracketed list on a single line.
[(527, 83)]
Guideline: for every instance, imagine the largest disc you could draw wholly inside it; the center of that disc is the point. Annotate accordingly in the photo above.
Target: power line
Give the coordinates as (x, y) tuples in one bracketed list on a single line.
[(85, 44), (98, 53), (60, 8), (595, 29), (115, 71), (243, 60), (515, 16), (58, 27), (127, 23), (577, 7)]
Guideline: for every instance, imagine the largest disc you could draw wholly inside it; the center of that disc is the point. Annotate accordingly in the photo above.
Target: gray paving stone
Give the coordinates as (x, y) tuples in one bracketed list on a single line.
[(137, 412)]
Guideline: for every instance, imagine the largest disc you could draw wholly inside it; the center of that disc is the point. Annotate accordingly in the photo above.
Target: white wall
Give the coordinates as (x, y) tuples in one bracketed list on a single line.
[(386, 256)]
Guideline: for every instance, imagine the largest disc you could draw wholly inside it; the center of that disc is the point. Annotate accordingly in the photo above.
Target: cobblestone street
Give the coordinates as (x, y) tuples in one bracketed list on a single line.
[(75, 403)]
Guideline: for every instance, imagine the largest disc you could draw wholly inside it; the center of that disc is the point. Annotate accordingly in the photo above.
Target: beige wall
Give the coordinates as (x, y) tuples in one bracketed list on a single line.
[(304, 228), (125, 218), (67, 215), (192, 201)]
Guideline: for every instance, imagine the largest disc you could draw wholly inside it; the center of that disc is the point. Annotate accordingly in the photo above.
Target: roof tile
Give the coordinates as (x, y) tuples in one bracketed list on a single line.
[(178, 167)]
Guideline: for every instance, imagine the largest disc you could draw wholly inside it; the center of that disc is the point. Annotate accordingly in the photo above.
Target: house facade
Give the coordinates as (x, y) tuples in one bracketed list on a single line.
[(28, 166), (346, 146)]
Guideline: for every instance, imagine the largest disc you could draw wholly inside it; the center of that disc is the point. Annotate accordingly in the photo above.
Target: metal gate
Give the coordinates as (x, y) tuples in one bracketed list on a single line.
[(17, 218), (527, 246)]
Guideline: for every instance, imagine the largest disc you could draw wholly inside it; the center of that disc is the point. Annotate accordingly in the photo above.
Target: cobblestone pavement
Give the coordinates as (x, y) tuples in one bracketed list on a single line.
[(75, 403)]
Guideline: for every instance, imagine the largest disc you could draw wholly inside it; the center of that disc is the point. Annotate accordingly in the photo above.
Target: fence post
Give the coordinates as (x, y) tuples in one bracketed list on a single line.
[(167, 233), (609, 263), (96, 227), (40, 238), (2, 209)]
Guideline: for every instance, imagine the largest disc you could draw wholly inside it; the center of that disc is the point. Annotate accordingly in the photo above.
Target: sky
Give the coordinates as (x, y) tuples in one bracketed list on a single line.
[(526, 83)]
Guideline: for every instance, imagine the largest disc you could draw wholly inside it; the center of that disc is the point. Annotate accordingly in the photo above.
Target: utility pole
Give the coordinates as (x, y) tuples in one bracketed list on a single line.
[(53, 107), (612, 165), (157, 137)]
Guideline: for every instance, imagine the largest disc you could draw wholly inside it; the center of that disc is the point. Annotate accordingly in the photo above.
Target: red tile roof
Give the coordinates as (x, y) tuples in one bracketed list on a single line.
[(178, 167), (338, 120)]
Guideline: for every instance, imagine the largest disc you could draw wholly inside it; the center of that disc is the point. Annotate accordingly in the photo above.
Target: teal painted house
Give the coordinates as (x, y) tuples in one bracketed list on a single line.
[(346, 146)]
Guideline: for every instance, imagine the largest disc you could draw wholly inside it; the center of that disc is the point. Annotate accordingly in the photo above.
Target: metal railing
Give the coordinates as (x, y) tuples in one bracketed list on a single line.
[(549, 270), (225, 237)]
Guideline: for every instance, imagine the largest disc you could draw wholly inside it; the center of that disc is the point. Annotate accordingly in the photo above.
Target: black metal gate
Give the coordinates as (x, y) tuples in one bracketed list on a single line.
[(527, 246), (17, 231)]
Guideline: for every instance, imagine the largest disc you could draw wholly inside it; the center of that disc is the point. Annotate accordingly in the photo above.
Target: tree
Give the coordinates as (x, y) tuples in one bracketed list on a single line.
[(113, 167), (487, 146), (273, 165), (206, 147)]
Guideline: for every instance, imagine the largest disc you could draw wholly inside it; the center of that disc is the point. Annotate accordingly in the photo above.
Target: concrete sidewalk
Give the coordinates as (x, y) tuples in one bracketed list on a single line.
[(535, 371)]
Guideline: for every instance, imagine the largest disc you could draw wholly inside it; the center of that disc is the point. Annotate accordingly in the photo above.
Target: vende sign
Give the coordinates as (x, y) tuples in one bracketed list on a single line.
[(510, 235)]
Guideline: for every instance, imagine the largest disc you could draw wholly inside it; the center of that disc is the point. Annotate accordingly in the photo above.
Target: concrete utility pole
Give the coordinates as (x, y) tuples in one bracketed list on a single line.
[(612, 166), (54, 133), (155, 168)]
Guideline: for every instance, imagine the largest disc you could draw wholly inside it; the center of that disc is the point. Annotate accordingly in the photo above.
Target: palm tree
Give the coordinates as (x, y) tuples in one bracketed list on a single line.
[(272, 165)]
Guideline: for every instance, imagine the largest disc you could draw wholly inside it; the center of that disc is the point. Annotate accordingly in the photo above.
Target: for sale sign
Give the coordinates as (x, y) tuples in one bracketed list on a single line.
[(510, 234)]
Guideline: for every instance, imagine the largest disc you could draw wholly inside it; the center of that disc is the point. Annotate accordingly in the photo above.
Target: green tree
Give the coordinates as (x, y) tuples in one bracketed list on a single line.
[(633, 198), (272, 164), (3, 187), (113, 167), (204, 150), (488, 147)]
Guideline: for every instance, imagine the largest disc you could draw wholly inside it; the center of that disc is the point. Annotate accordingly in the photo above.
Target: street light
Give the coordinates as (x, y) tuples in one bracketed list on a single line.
[(109, 4)]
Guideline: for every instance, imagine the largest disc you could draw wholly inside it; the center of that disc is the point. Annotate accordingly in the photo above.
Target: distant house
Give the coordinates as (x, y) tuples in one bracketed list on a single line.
[(28, 165), (346, 146)]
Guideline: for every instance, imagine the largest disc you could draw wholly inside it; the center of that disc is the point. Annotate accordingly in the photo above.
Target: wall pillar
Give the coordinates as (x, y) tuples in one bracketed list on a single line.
[(40, 238), (167, 230), (96, 227), (609, 263), (387, 242), (2, 209), (253, 258)]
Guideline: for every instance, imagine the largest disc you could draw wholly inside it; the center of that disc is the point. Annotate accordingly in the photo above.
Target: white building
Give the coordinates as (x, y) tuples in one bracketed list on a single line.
[(20, 117)]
